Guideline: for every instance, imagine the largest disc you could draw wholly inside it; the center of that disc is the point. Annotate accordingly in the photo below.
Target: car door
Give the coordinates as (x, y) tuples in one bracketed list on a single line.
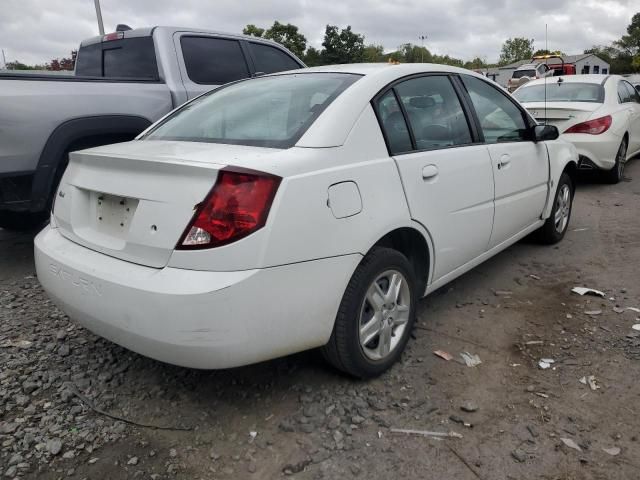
[(447, 178), (632, 104), (207, 61), (520, 166)]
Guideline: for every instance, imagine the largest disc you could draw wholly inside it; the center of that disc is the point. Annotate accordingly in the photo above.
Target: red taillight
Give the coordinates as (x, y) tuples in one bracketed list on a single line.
[(113, 36), (592, 127), (237, 206)]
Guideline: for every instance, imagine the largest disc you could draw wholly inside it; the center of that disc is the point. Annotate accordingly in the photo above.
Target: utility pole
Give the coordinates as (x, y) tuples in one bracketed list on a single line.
[(4, 60), (99, 15), (422, 39)]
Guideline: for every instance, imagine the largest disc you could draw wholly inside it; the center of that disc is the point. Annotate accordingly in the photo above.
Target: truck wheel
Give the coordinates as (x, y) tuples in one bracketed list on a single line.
[(22, 221), (556, 225), (376, 315), (616, 174)]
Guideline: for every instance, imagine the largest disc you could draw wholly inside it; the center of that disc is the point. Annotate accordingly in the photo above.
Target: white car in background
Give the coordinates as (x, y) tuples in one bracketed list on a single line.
[(599, 114), (527, 72), (300, 210)]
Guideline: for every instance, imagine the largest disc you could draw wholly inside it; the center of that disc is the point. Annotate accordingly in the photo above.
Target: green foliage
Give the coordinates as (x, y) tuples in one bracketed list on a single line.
[(251, 29), (414, 54), (476, 64), (547, 52), (516, 49), (373, 54), (288, 36), (313, 57), (342, 46)]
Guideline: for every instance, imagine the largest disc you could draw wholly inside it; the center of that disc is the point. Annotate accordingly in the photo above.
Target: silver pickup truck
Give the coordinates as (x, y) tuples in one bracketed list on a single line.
[(123, 82)]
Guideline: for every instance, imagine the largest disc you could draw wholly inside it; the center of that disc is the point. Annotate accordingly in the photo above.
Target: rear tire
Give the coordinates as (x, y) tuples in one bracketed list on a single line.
[(556, 225), (616, 174), (376, 315), (22, 221)]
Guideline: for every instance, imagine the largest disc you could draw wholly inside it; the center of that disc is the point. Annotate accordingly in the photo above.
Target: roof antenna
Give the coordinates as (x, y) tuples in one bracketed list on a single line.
[(546, 46)]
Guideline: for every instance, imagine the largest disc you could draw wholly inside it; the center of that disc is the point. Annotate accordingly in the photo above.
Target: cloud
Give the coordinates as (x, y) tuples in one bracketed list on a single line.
[(35, 31)]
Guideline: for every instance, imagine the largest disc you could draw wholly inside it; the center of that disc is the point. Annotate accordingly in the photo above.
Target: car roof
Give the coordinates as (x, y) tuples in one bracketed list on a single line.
[(168, 30), (385, 69), (595, 78)]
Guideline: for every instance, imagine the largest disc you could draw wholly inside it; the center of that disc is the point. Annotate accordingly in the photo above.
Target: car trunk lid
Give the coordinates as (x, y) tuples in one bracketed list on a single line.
[(133, 201), (562, 114)]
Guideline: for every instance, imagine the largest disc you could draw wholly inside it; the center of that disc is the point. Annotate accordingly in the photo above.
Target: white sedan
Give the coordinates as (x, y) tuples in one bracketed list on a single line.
[(599, 114), (300, 210)]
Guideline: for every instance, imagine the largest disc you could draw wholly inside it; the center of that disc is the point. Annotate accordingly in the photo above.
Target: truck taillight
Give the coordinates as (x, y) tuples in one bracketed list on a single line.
[(592, 127), (237, 206), (113, 36)]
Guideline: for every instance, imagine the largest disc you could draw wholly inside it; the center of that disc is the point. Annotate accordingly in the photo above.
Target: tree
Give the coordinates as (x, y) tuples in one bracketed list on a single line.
[(415, 54), (313, 57), (288, 36), (252, 30), (373, 54), (516, 49), (343, 46), (630, 44), (544, 51), (476, 64)]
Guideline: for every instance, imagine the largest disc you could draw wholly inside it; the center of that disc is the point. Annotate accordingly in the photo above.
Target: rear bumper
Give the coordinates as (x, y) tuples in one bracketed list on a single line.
[(194, 318), (597, 151)]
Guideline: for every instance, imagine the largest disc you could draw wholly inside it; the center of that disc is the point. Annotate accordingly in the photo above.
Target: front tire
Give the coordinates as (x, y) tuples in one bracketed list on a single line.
[(556, 225), (616, 174), (376, 315)]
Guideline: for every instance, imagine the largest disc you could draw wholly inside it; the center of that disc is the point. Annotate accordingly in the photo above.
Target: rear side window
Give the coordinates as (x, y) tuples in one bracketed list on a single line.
[(270, 59), (633, 94), (500, 119), (393, 125), (213, 61), (434, 111), (623, 93), (124, 58)]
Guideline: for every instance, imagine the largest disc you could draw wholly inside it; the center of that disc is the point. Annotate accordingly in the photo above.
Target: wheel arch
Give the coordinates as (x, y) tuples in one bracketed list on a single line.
[(76, 134), (413, 242)]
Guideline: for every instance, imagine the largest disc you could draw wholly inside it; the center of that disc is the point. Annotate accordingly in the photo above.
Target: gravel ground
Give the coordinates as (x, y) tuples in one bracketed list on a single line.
[(75, 406)]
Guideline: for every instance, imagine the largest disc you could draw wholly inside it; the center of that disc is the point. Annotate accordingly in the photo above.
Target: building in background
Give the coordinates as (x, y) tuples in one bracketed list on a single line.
[(585, 63)]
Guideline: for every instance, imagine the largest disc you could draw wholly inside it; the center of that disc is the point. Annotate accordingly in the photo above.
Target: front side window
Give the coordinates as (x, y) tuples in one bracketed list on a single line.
[(269, 59), (213, 61), (265, 112), (500, 119), (393, 123), (434, 112)]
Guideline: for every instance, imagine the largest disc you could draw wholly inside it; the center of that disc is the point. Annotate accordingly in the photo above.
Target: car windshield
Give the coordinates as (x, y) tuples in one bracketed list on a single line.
[(524, 73), (265, 112), (561, 92)]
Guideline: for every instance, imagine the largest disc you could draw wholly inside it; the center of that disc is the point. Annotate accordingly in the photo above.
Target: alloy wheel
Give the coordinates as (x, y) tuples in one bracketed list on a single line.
[(384, 314)]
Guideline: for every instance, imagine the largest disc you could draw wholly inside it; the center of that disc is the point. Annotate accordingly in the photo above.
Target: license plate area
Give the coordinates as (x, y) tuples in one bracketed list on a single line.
[(113, 214)]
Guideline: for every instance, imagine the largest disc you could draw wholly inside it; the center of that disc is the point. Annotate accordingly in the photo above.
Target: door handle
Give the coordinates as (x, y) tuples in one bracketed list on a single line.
[(504, 161), (429, 171)]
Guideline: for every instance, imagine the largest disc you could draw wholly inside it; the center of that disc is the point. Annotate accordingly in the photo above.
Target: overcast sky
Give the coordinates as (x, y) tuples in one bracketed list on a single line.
[(35, 31)]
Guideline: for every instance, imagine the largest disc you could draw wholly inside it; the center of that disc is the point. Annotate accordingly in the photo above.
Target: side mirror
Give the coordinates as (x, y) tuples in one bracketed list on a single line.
[(545, 132)]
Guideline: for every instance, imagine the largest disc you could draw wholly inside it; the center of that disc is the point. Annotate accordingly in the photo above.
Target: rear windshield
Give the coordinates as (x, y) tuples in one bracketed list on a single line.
[(524, 73), (266, 111), (561, 92), (125, 58)]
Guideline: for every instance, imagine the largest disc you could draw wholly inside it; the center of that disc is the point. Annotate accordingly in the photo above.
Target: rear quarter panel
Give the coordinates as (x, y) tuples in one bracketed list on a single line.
[(301, 225), (561, 154)]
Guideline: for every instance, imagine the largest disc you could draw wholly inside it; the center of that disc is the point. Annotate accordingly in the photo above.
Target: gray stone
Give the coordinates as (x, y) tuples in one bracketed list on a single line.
[(469, 407), (54, 446), (133, 461), (519, 455)]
